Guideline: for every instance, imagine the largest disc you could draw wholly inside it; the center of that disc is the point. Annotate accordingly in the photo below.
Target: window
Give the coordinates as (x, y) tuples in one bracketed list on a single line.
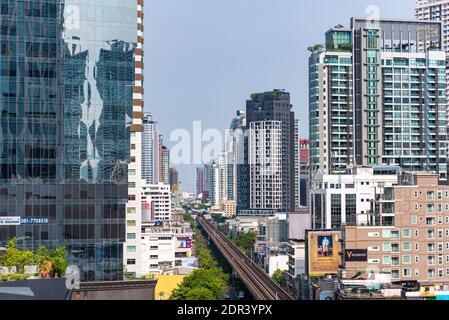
[(416, 259), (395, 274), (430, 208), (406, 233), (131, 236), (414, 220), (131, 223), (387, 246), (407, 272), (431, 260), (430, 247), (430, 221), (131, 262), (132, 172), (395, 234), (131, 249), (430, 234), (406, 259), (440, 219), (430, 195), (416, 233), (131, 210), (406, 246), (386, 260), (395, 247)]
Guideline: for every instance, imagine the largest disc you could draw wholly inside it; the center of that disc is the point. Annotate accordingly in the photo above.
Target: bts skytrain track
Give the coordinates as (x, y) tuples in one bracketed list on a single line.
[(256, 280)]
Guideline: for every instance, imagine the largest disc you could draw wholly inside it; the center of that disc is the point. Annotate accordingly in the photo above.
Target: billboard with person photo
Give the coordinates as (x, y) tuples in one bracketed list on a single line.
[(323, 252)]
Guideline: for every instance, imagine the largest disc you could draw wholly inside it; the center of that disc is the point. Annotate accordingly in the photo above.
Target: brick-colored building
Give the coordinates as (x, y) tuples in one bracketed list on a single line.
[(414, 246)]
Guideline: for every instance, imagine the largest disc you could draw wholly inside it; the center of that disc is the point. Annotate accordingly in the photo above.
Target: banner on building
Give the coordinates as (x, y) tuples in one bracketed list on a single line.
[(323, 252), (356, 255)]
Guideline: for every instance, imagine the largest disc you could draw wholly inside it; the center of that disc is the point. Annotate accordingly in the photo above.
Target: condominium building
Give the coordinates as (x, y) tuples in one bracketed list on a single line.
[(331, 104), (67, 114), (267, 179), (436, 10), (164, 162), (265, 157), (304, 173), (150, 150), (394, 112), (415, 246), (350, 199), (174, 180)]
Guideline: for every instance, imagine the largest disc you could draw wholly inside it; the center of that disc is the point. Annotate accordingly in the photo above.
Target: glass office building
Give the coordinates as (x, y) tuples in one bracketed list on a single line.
[(66, 110)]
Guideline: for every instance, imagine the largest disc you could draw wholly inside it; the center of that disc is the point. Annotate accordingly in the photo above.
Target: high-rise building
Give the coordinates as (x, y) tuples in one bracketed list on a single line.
[(379, 97), (164, 162), (304, 172), (150, 150), (267, 176), (132, 258), (436, 10), (174, 180), (66, 119), (213, 170), (234, 153), (331, 103), (199, 189)]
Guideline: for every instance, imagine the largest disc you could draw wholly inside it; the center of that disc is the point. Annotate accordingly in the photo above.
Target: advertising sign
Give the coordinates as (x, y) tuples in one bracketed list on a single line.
[(184, 243), (9, 221), (17, 221), (356, 255), (323, 252)]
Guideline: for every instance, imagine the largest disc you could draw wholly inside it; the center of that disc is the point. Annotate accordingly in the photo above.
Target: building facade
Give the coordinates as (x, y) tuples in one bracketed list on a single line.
[(158, 199), (174, 180), (66, 120), (267, 178), (431, 10), (331, 104), (350, 199), (415, 247), (379, 99), (150, 150), (132, 260)]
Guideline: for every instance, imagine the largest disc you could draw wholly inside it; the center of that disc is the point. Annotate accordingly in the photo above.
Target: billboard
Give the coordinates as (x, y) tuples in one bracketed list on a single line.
[(323, 252), (184, 243), (356, 255)]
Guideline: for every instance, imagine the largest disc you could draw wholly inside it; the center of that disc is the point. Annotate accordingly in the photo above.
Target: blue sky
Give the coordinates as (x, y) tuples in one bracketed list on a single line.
[(203, 58)]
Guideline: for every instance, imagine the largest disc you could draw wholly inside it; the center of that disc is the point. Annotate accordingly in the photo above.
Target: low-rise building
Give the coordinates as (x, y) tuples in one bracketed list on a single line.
[(410, 239), (157, 197), (166, 247), (296, 265), (348, 199)]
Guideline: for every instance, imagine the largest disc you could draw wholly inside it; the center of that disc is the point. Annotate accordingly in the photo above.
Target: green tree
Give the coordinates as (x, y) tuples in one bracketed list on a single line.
[(246, 241), (199, 294), (279, 277), (59, 259), (14, 257), (201, 279)]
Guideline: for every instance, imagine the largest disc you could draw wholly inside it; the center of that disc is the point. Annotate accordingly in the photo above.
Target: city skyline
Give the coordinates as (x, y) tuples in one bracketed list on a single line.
[(215, 67)]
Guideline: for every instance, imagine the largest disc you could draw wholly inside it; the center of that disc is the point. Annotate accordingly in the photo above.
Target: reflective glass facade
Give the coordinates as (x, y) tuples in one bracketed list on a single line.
[(66, 108)]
